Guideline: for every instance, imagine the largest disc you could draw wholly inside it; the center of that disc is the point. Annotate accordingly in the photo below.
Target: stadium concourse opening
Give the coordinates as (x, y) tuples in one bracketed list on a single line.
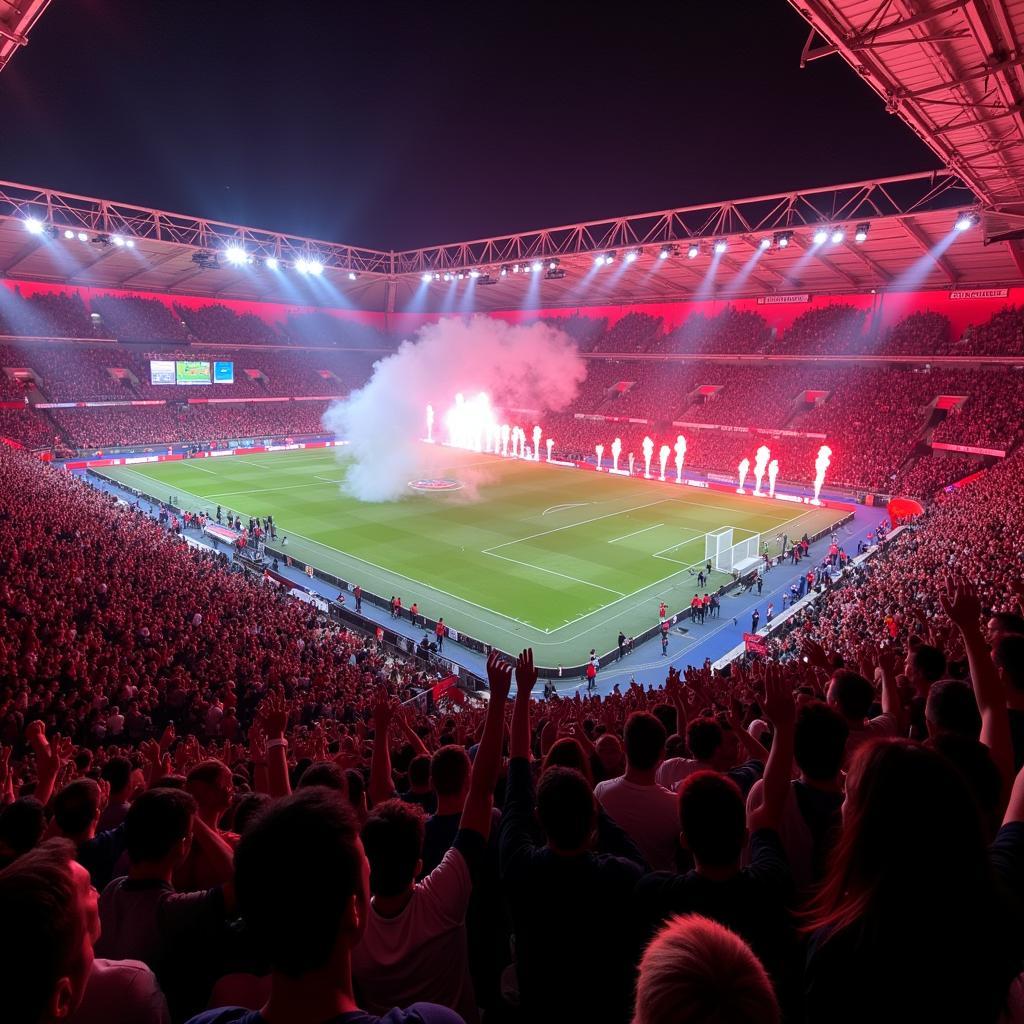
[(543, 556)]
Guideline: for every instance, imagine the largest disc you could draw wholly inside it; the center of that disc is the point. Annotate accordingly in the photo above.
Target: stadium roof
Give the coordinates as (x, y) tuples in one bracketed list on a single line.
[(909, 245), (16, 19), (953, 70)]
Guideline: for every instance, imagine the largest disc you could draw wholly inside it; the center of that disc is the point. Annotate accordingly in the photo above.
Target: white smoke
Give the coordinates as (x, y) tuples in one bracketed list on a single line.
[(520, 366)]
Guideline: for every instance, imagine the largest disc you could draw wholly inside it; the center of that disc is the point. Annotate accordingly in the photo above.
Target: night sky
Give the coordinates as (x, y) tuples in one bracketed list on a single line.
[(398, 125)]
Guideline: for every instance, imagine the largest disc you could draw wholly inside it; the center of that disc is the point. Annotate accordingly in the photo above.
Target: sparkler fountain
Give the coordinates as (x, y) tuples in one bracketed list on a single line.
[(680, 456), (648, 447), (821, 464), (760, 464), (744, 469)]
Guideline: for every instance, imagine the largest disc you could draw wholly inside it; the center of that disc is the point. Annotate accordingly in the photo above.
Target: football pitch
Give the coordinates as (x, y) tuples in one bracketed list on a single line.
[(524, 554)]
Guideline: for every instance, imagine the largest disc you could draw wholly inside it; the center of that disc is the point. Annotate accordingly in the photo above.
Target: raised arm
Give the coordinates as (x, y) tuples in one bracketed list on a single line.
[(48, 760), (274, 717), (382, 786), (781, 712), (526, 677), (960, 602), (413, 737), (476, 814)]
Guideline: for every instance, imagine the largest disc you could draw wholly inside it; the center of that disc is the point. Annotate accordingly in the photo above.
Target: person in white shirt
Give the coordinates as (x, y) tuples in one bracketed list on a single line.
[(414, 947), (647, 812)]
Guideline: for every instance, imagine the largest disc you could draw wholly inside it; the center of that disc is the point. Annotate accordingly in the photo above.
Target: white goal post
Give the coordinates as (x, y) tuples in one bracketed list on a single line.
[(727, 555)]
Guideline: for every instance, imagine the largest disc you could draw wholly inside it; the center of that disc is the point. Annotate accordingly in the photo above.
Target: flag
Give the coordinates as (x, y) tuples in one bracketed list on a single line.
[(755, 643), (444, 686)]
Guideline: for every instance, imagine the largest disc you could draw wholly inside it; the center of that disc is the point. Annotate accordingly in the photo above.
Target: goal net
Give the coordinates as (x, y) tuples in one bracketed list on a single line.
[(728, 554)]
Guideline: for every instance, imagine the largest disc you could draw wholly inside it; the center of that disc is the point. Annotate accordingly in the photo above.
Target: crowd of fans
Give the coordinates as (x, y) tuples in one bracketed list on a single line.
[(276, 833), (44, 315), (26, 427), (730, 331), (217, 323), (635, 332), (133, 318), (930, 473), (164, 424), (992, 416)]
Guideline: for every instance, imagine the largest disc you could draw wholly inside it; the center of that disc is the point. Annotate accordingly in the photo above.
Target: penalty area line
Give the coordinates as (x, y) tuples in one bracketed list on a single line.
[(636, 533)]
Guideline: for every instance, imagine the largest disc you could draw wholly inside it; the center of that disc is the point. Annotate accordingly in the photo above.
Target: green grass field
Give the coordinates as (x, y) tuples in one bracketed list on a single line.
[(525, 554)]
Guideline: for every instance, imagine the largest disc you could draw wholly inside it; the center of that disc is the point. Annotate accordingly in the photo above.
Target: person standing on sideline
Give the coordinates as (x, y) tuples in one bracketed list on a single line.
[(592, 671), (439, 631), (662, 610), (769, 614), (357, 593), (414, 613), (760, 584), (664, 643), (755, 620), (622, 645)]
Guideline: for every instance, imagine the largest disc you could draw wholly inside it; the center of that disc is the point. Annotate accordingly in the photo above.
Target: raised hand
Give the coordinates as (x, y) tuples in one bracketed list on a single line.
[(778, 699), (526, 673), (961, 603), (499, 675), (273, 715)]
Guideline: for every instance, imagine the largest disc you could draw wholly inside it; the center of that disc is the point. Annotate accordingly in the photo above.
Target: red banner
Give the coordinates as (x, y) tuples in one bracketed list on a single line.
[(755, 644), (447, 687)]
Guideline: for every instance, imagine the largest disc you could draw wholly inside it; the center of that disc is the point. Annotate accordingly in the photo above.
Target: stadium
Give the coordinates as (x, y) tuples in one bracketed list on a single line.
[(650, 584)]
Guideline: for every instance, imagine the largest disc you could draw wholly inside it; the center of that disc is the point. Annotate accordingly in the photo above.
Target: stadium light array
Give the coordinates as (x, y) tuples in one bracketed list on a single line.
[(69, 234), (352, 275), (720, 246), (427, 277), (271, 263), (504, 271), (33, 225), (765, 243), (83, 237), (236, 255), (693, 252), (966, 220), (781, 239), (599, 260), (553, 264), (838, 235), (632, 255), (860, 234), (537, 266), (820, 236), (665, 252)]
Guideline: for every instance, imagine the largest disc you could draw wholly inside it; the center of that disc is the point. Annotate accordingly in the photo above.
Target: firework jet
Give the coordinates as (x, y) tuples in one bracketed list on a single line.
[(680, 456), (530, 367), (760, 464), (773, 472), (743, 468), (820, 465)]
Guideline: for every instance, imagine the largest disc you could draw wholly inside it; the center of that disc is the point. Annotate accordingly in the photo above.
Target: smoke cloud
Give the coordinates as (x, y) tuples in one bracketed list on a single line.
[(520, 366)]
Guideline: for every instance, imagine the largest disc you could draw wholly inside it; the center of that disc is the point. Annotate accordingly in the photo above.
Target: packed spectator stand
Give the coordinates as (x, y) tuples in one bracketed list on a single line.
[(208, 752), (669, 834)]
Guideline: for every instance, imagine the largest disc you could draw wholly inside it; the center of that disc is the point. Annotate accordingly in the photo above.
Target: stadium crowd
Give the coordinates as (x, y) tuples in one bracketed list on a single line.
[(278, 831)]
